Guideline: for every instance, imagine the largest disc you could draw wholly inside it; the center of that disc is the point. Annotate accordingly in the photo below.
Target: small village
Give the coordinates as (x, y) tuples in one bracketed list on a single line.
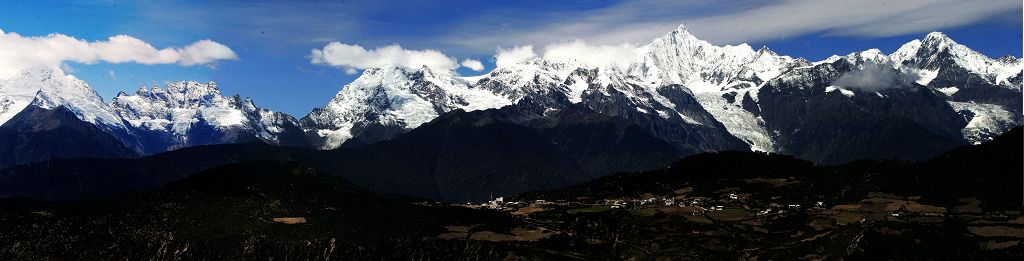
[(740, 207), (694, 205)]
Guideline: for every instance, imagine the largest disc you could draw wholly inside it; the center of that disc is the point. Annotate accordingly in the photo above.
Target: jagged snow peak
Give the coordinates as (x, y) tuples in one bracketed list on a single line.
[(681, 58), (710, 71), (766, 65), (182, 104), (536, 76), (395, 96), (50, 88), (175, 109), (926, 54)]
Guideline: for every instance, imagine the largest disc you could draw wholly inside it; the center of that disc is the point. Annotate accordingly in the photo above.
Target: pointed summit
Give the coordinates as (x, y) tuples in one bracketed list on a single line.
[(431, 75), (1008, 59), (766, 50), (873, 54), (906, 51), (680, 36), (681, 29), (936, 36), (680, 58), (938, 41)]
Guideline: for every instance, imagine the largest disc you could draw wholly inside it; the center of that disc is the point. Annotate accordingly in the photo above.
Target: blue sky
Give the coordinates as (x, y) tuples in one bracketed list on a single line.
[(274, 40)]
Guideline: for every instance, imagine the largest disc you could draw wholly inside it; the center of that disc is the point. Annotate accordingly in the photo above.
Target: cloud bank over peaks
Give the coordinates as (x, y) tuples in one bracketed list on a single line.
[(19, 52), (352, 57), (577, 51), (514, 55)]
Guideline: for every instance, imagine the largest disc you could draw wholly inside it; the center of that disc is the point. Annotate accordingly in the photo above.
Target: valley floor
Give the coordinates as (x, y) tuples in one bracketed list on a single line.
[(727, 219)]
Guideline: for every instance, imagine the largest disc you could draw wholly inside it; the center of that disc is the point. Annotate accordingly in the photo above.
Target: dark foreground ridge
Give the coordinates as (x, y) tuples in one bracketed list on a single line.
[(962, 205), (460, 156), (241, 211)]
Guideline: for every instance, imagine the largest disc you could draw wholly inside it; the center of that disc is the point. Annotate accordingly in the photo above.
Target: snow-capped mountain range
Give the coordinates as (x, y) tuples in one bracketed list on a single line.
[(155, 120), (724, 80), (695, 95)]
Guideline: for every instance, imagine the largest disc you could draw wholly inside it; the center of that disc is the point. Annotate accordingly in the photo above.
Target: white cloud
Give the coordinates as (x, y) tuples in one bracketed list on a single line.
[(204, 52), (113, 76), (355, 57), (518, 54), (19, 52), (472, 64), (875, 77), (592, 55), (67, 68)]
